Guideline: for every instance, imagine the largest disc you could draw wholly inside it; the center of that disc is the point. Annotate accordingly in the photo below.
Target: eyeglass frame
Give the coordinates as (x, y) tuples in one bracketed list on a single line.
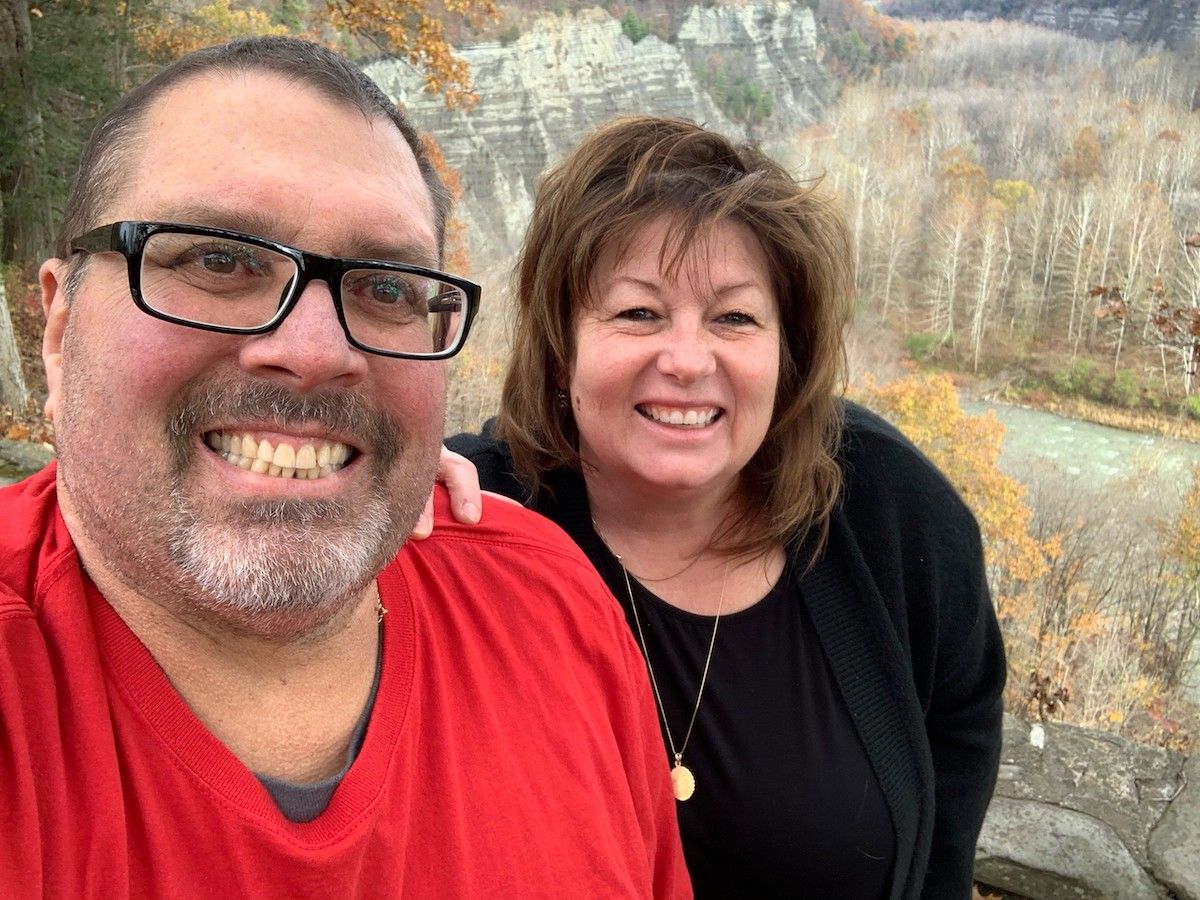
[(129, 239)]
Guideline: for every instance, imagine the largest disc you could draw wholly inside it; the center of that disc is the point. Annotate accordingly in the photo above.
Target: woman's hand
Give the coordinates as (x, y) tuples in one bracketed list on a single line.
[(458, 474)]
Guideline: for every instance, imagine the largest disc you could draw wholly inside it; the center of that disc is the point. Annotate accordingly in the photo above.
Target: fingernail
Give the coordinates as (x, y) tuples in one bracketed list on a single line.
[(470, 511)]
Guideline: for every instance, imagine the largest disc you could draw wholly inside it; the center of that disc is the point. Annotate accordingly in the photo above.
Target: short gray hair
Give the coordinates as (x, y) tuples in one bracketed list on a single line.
[(107, 154)]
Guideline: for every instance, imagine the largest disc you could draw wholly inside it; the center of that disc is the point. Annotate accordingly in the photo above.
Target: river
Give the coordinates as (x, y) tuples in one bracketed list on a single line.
[(1095, 456)]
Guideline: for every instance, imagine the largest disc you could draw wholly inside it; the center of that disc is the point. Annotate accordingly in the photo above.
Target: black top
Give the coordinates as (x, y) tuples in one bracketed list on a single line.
[(899, 605), (750, 829)]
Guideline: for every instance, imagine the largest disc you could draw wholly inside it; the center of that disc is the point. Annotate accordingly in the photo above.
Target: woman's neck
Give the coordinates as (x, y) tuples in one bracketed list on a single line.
[(667, 545)]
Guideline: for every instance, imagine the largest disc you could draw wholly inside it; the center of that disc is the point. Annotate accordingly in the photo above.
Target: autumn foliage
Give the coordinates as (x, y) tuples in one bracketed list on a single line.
[(1081, 648)]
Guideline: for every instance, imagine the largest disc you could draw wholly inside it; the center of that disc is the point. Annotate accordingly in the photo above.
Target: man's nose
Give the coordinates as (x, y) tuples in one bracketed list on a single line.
[(308, 349)]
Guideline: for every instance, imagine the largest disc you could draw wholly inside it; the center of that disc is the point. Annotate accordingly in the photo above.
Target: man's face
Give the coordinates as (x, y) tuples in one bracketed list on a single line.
[(139, 403)]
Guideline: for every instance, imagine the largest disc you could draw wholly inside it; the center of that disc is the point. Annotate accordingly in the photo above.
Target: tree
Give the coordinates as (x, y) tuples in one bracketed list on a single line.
[(110, 45), (24, 179)]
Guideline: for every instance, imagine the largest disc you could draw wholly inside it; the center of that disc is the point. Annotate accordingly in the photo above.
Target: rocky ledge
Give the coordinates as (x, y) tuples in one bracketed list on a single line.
[(1087, 814)]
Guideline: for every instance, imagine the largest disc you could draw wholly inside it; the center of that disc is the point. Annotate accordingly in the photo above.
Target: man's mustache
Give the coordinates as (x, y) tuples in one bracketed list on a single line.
[(343, 412)]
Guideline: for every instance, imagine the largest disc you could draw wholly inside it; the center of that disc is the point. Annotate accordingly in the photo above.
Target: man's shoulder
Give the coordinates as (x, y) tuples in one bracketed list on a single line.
[(505, 528), (32, 536)]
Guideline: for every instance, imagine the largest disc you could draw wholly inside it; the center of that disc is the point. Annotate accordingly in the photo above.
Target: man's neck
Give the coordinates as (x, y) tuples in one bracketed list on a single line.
[(284, 706), (285, 709), (282, 690)]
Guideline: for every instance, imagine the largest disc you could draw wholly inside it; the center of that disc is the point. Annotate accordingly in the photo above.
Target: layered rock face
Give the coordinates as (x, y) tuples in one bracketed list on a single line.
[(542, 92), (1176, 24), (1086, 814)]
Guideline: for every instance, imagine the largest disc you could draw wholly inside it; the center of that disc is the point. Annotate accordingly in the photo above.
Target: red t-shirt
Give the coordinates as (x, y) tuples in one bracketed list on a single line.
[(512, 751)]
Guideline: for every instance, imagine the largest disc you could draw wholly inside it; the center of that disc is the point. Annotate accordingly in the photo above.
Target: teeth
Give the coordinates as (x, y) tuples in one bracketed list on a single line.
[(696, 417), (281, 461), (285, 456)]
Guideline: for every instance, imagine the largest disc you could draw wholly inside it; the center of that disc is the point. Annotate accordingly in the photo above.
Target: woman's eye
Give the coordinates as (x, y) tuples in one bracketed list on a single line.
[(737, 318), (636, 314)]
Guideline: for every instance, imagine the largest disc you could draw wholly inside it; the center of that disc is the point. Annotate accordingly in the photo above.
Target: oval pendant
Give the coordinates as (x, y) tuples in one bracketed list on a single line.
[(682, 782)]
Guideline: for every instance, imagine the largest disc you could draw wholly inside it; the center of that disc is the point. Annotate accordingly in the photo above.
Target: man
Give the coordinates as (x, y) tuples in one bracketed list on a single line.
[(221, 674)]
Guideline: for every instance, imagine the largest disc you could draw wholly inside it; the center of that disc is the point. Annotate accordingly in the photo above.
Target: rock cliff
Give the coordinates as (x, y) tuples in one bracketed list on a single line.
[(1174, 23), (542, 92), (1080, 813)]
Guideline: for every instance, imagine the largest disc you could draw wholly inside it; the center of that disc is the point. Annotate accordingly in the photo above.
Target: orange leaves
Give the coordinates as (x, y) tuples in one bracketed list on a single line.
[(961, 177), (1183, 541), (413, 29), (457, 259), (967, 450), (1086, 159), (1110, 303), (166, 39)]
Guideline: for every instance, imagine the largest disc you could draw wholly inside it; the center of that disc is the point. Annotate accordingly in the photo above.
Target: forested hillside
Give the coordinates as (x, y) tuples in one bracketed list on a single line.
[(1028, 201)]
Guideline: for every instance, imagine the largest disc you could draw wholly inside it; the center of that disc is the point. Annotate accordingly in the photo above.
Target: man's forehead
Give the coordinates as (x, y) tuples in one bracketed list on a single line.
[(266, 149)]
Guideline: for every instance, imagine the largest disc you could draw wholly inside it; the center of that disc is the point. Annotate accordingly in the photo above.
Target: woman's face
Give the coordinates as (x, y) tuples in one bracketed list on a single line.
[(673, 382)]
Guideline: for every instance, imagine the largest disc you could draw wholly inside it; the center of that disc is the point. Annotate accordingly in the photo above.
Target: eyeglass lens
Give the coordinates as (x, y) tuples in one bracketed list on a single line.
[(228, 283)]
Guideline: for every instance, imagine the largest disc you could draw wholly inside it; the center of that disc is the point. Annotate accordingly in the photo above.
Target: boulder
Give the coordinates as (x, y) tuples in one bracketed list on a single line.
[(1175, 840), (1084, 813)]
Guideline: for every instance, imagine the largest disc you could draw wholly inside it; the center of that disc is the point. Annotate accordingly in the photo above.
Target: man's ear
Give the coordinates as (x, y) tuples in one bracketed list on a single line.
[(52, 277)]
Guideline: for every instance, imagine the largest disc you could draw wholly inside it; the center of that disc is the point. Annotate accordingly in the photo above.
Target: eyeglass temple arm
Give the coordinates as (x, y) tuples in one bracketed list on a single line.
[(98, 240)]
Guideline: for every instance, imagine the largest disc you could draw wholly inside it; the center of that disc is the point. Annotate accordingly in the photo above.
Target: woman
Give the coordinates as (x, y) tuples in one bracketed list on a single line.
[(807, 589)]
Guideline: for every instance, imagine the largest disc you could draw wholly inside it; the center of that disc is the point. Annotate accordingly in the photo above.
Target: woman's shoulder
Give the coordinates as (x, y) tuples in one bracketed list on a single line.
[(882, 466), (492, 460)]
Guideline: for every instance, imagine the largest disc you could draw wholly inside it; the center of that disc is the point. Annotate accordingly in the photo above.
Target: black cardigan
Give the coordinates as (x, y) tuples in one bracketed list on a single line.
[(900, 602)]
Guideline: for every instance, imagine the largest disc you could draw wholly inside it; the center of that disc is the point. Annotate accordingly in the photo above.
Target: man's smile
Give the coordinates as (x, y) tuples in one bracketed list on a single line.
[(307, 460)]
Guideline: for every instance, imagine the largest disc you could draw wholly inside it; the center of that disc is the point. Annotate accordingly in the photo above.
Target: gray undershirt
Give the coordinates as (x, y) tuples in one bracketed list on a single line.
[(300, 802)]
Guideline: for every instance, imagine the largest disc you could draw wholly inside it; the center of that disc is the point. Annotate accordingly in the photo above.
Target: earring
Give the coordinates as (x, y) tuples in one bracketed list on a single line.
[(560, 397)]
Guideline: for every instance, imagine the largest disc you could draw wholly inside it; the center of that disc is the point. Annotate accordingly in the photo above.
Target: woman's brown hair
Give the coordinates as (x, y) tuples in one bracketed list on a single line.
[(625, 174)]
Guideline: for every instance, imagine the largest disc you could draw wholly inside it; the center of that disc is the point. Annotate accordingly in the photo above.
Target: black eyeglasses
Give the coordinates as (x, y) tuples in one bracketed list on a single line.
[(237, 283)]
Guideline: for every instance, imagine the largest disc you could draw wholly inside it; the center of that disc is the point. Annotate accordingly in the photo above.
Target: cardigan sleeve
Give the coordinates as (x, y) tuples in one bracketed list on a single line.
[(923, 547), (963, 724)]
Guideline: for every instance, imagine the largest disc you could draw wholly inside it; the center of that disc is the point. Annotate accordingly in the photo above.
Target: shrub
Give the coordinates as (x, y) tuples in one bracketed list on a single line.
[(1125, 390), (921, 345), (737, 96), (1192, 406), (634, 28), (1081, 379)]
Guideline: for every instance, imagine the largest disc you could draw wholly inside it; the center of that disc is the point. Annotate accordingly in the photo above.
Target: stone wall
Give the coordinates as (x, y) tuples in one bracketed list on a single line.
[(12, 383), (1089, 815), (542, 92)]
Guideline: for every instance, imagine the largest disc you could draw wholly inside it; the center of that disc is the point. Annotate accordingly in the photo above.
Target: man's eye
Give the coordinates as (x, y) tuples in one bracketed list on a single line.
[(223, 260), (218, 262), (384, 289)]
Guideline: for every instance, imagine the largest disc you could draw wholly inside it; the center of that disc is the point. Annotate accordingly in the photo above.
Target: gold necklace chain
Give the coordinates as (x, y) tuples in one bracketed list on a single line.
[(683, 782)]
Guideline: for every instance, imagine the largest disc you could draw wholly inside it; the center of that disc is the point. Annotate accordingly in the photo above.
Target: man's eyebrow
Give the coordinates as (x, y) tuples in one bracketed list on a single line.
[(358, 246), (371, 247), (245, 221)]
